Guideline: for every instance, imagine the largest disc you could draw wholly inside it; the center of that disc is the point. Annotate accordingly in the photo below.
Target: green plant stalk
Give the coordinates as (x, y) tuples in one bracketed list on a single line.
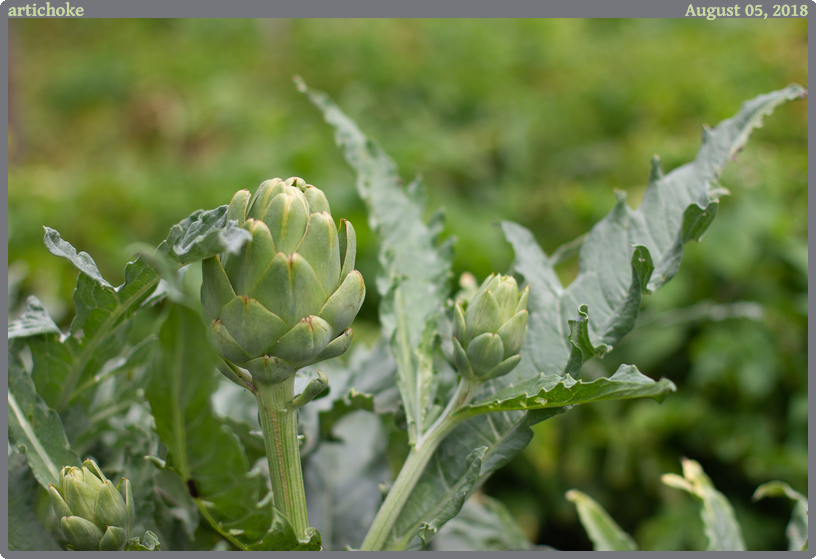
[(279, 425), (412, 469)]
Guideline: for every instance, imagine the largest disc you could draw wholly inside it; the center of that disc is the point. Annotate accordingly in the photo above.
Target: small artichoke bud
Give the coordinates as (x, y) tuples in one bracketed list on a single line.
[(488, 331), (288, 299), (93, 514)]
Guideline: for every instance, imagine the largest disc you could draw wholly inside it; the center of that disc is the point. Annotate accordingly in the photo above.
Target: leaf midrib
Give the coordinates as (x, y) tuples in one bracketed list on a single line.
[(74, 374)]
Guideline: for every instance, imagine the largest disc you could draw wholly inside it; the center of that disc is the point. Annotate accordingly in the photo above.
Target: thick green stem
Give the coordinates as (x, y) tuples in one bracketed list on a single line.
[(281, 441), (378, 534)]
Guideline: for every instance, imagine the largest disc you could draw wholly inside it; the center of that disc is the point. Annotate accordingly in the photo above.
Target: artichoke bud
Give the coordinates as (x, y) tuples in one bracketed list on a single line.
[(288, 299), (93, 514), (488, 330)]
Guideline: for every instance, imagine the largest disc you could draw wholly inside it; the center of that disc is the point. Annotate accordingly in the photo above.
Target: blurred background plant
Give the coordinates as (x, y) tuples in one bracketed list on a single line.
[(140, 122)]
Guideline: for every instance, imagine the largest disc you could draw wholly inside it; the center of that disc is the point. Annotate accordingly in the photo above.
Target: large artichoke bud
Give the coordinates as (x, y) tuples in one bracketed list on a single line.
[(488, 331), (93, 514), (287, 300)]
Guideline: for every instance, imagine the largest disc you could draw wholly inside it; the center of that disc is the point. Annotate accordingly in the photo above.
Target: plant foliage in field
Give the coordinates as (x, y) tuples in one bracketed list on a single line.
[(146, 411)]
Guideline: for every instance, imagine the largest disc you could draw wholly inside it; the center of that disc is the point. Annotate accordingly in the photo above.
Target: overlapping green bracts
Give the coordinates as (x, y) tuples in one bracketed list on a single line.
[(93, 514), (488, 331), (288, 299)]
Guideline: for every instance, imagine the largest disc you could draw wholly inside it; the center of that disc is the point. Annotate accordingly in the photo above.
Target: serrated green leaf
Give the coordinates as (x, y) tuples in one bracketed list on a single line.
[(99, 330), (797, 529), (614, 268), (281, 536), (502, 434), (34, 321), (484, 524), (202, 235), (415, 527), (616, 271), (25, 532), (604, 532), (203, 449), (149, 542), (721, 526), (34, 428), (414, 266), (365, 382), (342, 480), (556, 391), (676, 208), (82, 261)]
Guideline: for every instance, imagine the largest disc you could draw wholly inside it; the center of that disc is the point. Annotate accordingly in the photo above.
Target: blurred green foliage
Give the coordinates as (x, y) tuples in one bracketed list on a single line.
[(120, 128)]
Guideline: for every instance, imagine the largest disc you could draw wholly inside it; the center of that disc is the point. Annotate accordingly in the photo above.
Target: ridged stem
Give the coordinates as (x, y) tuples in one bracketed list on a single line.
[(279, 427), (379, 533)]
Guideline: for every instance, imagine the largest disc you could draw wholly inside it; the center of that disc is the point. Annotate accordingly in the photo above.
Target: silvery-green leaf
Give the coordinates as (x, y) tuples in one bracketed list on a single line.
[(614, 269), (484, 524), (149, 542), (555, 391), (82, 260), (342, 479), (503, 434), (103, 314), (415, 268), (25, 532), (34, 321), (604, 532), (35, 429), (721, 526), (202, 449), (282, 537), (364, 382), (611, 271), (610, 267), (413, 531), (204, 234)]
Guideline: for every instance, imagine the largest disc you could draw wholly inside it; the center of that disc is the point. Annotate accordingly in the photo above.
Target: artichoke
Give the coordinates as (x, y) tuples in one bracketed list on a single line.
[(288, 299), (489, 329), (93, 514)]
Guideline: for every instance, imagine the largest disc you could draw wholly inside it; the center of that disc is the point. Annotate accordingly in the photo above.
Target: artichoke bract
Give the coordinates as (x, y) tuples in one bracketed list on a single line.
[(288, 299), (93, 514), (488, 331)]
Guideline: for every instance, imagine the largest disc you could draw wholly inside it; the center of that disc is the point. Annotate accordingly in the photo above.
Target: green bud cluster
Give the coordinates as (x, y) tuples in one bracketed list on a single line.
[(489, 329), (288, 299), (93, 514)]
